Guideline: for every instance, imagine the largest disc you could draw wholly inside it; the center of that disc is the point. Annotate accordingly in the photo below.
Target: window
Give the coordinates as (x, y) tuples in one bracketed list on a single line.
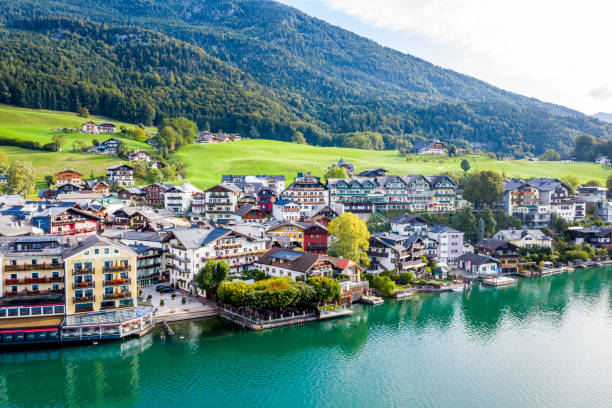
[(35, 275), (97, 251), (55, 274), (87, 252), (106, 251), (13, 276), (13, 288), (56, 286), (35, 287)]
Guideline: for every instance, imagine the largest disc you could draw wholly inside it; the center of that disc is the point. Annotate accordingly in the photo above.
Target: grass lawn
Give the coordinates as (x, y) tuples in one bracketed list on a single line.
[(38, 126), (329, 308), (52, 162), (207, 162)]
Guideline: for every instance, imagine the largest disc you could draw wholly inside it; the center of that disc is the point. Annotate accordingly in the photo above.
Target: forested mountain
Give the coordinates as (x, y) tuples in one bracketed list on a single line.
[(604, 117), (260, 68)]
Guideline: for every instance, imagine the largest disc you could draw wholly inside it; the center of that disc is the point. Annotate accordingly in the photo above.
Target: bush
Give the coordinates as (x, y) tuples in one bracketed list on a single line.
[(173, 296), (406, 277), (183, 300), (162, 303)]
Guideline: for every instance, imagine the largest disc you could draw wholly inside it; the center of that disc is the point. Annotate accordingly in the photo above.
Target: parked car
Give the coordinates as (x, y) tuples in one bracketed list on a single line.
[(160, 288), (167, 289)]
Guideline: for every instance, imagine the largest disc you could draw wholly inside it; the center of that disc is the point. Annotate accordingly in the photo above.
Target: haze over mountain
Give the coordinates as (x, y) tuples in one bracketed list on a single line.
[(604, 117), (260, 68)]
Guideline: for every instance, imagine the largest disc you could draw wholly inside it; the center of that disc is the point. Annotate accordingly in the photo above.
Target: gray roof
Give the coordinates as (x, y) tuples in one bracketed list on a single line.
[(518, 234), (476, 259), (92, 241), (407, 219), (441, 229)]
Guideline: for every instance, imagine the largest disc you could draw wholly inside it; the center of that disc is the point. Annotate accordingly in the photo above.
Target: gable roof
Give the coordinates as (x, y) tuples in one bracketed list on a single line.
[(424, 144), (296, 261), (407, 219), (91, 241), (518, 234), (475, 259)]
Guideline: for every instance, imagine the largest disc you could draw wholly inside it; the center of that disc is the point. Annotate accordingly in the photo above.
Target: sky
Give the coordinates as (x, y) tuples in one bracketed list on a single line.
[(553, 50)]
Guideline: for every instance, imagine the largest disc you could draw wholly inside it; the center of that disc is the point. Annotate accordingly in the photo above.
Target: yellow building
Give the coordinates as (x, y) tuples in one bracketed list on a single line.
[(293, 230), (100, 275)]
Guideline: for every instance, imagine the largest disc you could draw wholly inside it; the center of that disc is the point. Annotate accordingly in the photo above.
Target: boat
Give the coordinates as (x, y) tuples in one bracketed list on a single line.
[(498, 280)]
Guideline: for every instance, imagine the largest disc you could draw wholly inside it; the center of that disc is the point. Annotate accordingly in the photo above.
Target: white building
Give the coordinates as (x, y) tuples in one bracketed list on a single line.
[(121, 175), (187, 250), (179, 198), (449, 243), (221, 202), (286, 210)]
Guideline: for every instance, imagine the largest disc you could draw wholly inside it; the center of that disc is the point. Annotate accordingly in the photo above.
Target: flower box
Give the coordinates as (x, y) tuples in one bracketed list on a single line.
[(9, 281)]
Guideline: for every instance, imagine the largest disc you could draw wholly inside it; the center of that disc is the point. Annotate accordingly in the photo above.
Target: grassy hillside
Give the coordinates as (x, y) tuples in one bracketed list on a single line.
[(207, 162), (39, 125)]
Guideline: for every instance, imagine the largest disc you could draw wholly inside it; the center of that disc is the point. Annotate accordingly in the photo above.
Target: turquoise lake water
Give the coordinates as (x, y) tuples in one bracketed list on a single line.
[(545, 342)]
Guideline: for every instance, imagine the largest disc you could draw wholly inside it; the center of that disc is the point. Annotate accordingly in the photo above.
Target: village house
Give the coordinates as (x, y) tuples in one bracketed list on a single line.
[(250, 214), (187, 250), (286, 210), (294, 264), (524, 238), (603, 160), (306, 191), (292, 230), (68, 188), (66, 221), (93, 128), (266, 199), (276, 183), (449, 243), (148, 265), (97, 186), (323, 215), (108, 147), (316, 238), (178, 198), (389, 251), (597, 237), (157, 165), (206, 137), (478, 265), (154, 194), (121, 175), (68, 176), (131, 196), (431, 147), (221, 202), (505, 253), (407, 224), (139, 155)]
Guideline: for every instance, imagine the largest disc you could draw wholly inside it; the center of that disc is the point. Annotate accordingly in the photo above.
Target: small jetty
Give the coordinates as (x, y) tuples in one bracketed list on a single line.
[(498, 280), (168, 328), (372, 300)]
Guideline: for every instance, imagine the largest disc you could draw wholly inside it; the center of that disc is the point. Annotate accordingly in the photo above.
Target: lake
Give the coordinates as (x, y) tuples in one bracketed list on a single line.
[(540, 343)]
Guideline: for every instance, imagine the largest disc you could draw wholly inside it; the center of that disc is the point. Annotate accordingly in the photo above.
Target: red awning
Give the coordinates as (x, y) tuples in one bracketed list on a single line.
[(39, 330)]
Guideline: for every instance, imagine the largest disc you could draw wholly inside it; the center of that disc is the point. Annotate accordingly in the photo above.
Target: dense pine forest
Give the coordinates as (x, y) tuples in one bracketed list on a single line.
[(261, 69)]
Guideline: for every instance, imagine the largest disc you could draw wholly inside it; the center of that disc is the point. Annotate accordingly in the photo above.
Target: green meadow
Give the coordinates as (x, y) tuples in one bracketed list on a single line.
[(207, 162), (40, 126)]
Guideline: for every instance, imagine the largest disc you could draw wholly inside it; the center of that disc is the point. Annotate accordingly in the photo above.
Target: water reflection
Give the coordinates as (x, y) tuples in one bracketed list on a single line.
[(212, 359)]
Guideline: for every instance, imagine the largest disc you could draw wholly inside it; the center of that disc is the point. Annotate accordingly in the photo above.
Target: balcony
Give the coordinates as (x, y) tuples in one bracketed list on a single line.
[(34, 292), (82, 299), (33, 267), (82, 271), (33, 280), (113, 282), (84, 284), (117, 268), (121, 295)]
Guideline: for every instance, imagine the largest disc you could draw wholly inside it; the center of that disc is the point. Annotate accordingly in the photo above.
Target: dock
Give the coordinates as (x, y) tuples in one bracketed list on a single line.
[(372, 300), (498, 281)]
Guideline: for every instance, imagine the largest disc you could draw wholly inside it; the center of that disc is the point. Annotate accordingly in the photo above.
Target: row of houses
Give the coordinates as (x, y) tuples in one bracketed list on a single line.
[(209, 137)]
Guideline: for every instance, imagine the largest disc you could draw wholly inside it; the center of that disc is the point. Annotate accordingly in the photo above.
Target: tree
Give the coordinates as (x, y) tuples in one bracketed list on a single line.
[(140, 169), (234, 293), (550, 155), (350, 237), (168, 173), (326, 289), (154, 176), (465, 165), (336, 172), (49, 180), (571, 181), (298, 138), (593, 183), (83, 112), (58, 141), (211, 275), (452, 151), (20, 178), (79, 146), (609, 183), (484, 187)]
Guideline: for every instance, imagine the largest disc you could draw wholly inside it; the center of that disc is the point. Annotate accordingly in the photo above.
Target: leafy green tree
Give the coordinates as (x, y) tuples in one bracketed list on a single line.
[(609, 183), (58, 141), (406, 277), (452, 151), (140, 169), (550, 155), (298, 138), (154, 176), (336, 172), (20, 178), (168, 173), (83, 112), (593, 183), (571, 181), (234, 293), (484, 188), (326, 289), (211, 275), (49, 180), (465, 165), (350, 238)]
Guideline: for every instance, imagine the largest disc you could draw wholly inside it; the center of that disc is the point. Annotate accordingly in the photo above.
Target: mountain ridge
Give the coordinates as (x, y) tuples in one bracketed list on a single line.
[(330, 81)]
